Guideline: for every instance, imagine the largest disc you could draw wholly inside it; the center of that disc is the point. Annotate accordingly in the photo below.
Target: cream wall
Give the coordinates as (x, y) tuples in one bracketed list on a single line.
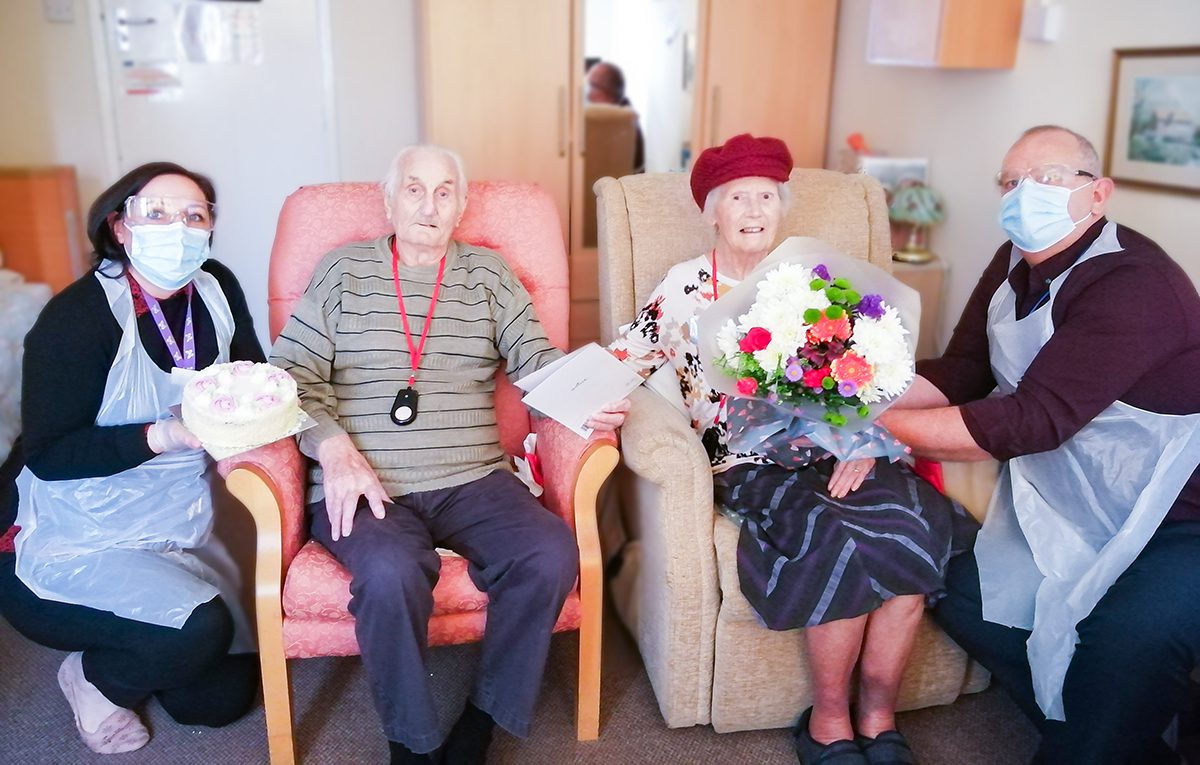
[(964, 121), (52, 112), (375, 83)]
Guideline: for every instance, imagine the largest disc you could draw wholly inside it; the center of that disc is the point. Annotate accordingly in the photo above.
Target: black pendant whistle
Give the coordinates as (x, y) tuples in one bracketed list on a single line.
[(404, 408)]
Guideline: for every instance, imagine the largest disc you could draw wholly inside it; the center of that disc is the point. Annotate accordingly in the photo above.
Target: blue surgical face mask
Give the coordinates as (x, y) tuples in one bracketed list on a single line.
[(168, 256), (1035, 215)]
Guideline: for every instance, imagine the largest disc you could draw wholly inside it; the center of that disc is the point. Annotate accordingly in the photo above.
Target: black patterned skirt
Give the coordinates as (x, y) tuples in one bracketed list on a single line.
[(805, 558)]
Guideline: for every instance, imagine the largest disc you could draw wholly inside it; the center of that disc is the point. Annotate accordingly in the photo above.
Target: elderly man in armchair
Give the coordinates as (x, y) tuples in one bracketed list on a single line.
[(395, 345)]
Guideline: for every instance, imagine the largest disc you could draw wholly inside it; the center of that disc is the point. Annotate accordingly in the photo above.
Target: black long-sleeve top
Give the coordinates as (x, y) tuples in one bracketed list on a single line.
[(1126, 327), (68, 354)]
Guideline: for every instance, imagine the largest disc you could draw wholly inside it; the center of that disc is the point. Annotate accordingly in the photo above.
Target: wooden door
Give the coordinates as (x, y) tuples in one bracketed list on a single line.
[(765, 67), (497, 89)]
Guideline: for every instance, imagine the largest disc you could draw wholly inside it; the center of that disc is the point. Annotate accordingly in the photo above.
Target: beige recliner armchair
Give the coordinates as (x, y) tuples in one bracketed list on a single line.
[(709, 658)]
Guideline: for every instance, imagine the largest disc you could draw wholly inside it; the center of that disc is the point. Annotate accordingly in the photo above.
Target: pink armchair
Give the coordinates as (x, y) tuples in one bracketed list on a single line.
[(301, 592)]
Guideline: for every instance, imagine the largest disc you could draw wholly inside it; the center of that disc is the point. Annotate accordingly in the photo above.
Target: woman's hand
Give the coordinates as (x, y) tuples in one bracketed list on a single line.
[(346, 477), (848, 475), (610, 417), (170, 436)]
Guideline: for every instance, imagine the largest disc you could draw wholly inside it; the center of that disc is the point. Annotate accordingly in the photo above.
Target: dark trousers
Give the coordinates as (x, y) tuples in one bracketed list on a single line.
[(1129, 675), (189, 670), (520, 554)]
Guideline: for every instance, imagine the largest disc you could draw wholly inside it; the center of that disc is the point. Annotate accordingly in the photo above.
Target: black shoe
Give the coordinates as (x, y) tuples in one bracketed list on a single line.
[(888, 748), (469, 738), (402, 755), (809, 752)]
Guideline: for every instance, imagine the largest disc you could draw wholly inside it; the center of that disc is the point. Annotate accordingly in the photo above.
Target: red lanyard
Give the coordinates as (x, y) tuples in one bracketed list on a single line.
[(414, 352), (716, 294)]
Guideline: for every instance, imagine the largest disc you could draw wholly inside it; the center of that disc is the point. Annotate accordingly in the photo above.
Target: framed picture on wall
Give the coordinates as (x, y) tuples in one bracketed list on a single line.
[(1154, 119), (892, 171)]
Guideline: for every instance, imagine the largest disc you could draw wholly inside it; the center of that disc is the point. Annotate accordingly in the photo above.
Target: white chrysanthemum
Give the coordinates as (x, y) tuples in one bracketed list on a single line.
[(785, 324), (784, 282), (727, 340), (773, 356), (892, 379), (881, 342)]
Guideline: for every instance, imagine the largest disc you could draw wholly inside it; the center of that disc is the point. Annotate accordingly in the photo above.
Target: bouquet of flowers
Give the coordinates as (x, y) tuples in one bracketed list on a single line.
[(825, 341)]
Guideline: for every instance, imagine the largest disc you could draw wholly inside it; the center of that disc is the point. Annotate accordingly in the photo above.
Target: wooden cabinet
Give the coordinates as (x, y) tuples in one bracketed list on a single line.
[(496, 90), (952, 34), (41, 226), (765, 67)]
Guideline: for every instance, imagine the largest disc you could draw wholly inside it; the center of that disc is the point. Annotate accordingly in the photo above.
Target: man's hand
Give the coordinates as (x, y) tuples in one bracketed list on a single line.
[(170, 436), (848, 475), (347, 476), (610, 417)]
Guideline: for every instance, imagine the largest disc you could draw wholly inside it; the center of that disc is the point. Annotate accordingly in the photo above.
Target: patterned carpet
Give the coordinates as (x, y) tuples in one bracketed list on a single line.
[(336, 724)]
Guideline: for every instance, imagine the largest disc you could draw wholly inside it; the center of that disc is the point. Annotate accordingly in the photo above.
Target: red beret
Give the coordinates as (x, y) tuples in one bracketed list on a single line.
[(742, 156)]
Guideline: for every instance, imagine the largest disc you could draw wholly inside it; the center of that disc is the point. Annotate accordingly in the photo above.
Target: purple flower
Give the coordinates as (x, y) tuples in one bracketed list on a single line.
[(871, 306), (847, 388), (821, 272), (794, 372)]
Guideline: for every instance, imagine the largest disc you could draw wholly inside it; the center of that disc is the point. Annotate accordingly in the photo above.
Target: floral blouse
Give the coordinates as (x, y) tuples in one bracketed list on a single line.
[(665, 331)]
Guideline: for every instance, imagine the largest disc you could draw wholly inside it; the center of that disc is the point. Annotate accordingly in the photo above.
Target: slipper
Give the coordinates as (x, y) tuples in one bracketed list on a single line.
[(888, 748), (810, 752), (121, 731)]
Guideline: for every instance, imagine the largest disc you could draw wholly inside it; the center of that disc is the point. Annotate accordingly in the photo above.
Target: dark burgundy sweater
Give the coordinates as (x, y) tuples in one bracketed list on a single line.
[(1126, 327)]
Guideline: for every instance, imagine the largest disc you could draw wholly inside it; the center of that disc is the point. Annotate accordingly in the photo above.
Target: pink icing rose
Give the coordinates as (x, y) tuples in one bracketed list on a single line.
[(243, 367), (278, 376), (266, 400), (224, 403), (204, 383)]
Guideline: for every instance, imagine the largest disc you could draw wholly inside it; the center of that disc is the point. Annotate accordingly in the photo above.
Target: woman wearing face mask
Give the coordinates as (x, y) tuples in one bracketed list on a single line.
[(115, 560)]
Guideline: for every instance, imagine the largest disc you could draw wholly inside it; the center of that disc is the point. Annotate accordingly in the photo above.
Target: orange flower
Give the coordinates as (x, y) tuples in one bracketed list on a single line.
[(854, 368), (827, 329)]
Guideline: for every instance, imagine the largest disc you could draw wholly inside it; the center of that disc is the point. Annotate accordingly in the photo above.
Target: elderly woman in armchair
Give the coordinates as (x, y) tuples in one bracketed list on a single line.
[(850, 550)]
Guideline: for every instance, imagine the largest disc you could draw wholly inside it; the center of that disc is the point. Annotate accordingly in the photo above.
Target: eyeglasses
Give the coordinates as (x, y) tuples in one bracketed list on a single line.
[(161, 211), (1050, 174)]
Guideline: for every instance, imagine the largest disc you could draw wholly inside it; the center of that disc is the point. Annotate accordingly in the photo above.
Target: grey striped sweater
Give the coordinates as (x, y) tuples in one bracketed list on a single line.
[(345, 346)]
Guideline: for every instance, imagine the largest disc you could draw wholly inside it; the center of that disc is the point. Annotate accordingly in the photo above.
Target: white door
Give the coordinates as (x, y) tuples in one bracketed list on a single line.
[(235, 90)]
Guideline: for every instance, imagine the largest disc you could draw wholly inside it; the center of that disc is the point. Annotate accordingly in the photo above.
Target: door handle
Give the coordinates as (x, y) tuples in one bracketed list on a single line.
[(562, 121)]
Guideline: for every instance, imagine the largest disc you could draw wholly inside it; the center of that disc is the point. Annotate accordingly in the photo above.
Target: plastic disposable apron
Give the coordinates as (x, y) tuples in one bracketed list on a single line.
[(1064, 524), (139, 543)]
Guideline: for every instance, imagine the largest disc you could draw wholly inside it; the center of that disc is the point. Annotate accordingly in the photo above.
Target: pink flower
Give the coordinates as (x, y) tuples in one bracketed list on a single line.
[(853, 368), (813, 377), (204, 383), (266, 400), (242, 367), (224, 403), (747, 386), (827, 329), (755, 340)]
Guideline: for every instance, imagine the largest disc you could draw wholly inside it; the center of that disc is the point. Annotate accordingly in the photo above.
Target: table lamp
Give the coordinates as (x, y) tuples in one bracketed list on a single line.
[(918, 206)]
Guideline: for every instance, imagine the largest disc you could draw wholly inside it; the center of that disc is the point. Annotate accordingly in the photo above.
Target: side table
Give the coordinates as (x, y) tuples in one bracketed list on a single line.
[(928, 280)]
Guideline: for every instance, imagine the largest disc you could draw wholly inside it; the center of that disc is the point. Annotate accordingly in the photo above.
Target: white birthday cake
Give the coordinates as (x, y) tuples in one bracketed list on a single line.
[(241, 404)]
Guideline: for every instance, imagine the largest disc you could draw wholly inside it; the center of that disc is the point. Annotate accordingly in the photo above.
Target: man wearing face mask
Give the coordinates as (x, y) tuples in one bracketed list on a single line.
[(1080, 595)]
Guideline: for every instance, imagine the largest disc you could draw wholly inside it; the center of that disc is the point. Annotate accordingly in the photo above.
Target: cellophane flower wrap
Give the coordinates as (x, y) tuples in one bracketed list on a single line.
[(813, 345)]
